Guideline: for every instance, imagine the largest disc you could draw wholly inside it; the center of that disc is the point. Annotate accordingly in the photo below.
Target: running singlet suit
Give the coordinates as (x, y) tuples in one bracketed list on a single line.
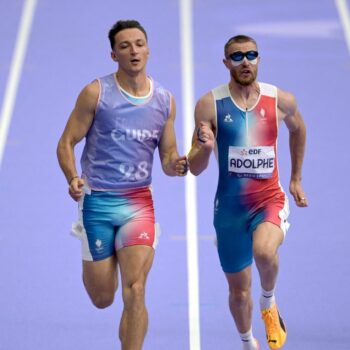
[(117, 208), (248, 191)]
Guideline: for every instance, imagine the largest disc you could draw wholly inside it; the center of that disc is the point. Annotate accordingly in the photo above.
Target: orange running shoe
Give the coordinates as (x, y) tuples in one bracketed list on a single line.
[(276, 332)]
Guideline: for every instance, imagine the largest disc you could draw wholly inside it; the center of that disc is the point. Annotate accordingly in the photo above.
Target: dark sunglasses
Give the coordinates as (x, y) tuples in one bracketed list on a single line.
[(239, 55)]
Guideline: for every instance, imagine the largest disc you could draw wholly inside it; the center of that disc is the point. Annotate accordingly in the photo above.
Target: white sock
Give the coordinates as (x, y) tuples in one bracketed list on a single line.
[(249, 343), (267, 299)]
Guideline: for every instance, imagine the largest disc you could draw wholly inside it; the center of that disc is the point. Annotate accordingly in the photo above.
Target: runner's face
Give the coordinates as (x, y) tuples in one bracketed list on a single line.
[(131, 50), (244, 72)]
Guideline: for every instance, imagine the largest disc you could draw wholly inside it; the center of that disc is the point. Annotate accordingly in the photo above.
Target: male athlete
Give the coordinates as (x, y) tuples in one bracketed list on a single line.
[(241, 120), (124, 117)]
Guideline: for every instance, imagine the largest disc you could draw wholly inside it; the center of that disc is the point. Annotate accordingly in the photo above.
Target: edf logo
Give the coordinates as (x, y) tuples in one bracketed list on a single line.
[(255, 151)]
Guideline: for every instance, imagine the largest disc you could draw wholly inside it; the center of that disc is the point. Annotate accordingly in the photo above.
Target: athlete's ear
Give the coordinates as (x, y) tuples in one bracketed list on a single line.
[(226, 63), (114, 56)]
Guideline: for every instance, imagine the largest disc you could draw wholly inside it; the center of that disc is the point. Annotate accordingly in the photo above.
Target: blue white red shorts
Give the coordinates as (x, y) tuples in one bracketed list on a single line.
[(235, 221), (109, 221)]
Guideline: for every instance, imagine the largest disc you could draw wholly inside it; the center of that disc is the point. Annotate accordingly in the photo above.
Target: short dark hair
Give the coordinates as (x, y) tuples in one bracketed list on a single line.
[(238, 39), (121, 25)]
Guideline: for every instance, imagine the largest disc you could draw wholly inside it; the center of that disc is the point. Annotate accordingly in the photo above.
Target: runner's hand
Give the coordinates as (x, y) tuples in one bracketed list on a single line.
[(205, 135), (75, 188), (180, 165), (298, 193)]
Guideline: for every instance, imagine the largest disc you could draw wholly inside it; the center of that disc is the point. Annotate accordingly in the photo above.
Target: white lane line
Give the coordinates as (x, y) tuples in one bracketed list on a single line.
[(190, 182), (299, 28), (15, 72), (344, 15)]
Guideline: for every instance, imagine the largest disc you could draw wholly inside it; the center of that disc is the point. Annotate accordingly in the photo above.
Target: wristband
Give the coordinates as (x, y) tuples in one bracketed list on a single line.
[(70, 181)]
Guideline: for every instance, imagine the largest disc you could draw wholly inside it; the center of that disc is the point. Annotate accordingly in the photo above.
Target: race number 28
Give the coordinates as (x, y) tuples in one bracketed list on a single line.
[(132, 172)]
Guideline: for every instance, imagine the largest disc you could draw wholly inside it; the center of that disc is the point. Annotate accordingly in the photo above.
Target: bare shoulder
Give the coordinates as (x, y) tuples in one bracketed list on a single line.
[(288, 111), (287, 105), (205, 101), (90, 93), (85, 107), (205, 109)]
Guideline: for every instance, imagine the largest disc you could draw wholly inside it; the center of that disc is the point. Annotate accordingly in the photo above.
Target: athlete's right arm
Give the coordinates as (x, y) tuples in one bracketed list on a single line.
[(76, 129), (203, 138)]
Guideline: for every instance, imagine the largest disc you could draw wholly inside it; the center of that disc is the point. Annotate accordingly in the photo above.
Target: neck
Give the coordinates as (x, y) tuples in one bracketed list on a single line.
[(244, 95), (137, 85), (244, 91)]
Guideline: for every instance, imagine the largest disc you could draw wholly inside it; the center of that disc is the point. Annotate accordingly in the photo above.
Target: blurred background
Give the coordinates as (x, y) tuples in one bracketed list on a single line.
[(304, 48)]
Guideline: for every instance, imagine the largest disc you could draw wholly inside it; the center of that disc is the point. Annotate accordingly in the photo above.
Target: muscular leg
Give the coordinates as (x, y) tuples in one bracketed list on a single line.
[(266, 240), (101, 280), (135, 263), (240, 300)]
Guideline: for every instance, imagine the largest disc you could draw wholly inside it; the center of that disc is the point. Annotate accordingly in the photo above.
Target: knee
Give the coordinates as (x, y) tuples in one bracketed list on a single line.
[(264, 256), (102, 300), (240, 296), (100, 297), (137, 292), (134, 294)]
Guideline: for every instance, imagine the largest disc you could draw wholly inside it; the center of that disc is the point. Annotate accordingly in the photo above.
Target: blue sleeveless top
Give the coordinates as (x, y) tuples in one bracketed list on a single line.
[(120, 144), (247, 144)]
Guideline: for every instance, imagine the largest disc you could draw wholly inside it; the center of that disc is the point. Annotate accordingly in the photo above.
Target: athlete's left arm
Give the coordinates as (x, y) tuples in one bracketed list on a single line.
[(172, 163), (289, 113)]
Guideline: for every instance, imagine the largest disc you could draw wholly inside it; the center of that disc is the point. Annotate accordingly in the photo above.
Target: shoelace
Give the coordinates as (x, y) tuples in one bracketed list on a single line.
[(271, 321)]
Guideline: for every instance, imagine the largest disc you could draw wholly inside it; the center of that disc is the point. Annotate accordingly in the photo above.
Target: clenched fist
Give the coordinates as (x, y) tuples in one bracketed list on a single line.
[(205, 135)]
